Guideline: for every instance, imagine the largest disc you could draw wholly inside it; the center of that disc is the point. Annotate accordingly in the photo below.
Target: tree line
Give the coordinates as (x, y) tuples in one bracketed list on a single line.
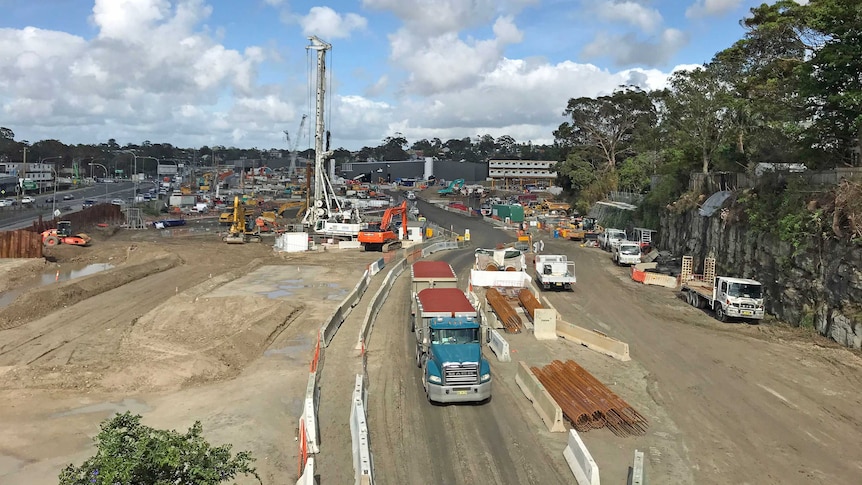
[(789, 91)]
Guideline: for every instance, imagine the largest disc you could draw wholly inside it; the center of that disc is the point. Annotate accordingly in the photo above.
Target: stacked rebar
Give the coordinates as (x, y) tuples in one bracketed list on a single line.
[(529, 302), (508, 316), (586, 402)]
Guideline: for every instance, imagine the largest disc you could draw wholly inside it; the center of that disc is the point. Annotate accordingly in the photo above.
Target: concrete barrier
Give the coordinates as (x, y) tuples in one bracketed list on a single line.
[(580, 461), (594, 340), (499, 346), (636, 472), (545, 324), (376, 266), (362, 463), (658, 279), (307, 477), (376, 302), (332, 324), (309, 414), (543, 403)]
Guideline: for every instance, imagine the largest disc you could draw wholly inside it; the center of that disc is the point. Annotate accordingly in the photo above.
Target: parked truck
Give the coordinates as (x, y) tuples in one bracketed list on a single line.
[(555, 271), (627, 253), (727, 297), (449, 347)]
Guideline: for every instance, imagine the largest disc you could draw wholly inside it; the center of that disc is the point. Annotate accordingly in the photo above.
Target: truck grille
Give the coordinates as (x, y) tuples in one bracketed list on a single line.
[(463, 373)]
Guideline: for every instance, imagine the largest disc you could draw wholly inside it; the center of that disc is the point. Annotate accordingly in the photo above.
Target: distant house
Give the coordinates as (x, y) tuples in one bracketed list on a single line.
[(762, 168)]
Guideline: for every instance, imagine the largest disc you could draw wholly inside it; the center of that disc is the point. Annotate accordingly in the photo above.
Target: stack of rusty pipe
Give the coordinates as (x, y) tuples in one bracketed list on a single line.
[(588, 403), (507, 315), (529, 302)]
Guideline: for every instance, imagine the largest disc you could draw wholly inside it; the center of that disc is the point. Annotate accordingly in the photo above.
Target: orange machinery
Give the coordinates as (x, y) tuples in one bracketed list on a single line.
[(63, 235), (382, 237)]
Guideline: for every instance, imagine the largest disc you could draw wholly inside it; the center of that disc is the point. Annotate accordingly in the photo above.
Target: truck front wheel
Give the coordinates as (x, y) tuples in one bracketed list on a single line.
[(720, 313)]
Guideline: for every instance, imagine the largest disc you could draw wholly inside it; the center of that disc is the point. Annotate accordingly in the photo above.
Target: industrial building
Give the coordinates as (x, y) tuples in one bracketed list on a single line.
[(421, 169), (518, 173)]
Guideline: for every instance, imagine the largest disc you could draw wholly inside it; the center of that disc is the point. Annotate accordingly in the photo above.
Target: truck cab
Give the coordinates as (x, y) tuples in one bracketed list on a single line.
[(612, 238), (449, 347), (737, 298), (627, 253)]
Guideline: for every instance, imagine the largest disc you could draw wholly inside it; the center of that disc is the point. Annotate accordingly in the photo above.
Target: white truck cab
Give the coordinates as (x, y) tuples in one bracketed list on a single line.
[(627, 252), (612, 238)]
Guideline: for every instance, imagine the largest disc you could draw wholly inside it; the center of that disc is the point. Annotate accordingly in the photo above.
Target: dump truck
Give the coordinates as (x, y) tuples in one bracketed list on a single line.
[(432, 274), (449, 347), (554, 271)]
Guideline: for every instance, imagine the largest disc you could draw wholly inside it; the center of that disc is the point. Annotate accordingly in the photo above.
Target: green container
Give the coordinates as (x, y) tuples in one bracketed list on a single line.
[(515, 213)]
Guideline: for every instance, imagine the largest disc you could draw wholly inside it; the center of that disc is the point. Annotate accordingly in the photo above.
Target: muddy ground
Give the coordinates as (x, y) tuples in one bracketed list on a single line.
[(177, 329)]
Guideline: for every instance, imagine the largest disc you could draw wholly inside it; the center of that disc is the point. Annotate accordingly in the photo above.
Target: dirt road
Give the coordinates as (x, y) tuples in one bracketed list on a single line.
[(175, 329)]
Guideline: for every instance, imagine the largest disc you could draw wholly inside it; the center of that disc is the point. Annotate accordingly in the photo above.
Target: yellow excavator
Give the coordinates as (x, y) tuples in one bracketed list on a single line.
[(242, 229)]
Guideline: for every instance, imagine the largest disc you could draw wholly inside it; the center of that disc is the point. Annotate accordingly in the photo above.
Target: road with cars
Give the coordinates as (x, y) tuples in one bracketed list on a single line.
[(21, 214)]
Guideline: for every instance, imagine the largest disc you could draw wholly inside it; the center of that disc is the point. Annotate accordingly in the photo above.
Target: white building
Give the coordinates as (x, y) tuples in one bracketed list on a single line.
[(39, 173), (507, 173)]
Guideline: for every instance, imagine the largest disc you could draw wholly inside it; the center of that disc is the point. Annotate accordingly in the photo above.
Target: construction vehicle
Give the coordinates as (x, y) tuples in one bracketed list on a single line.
[(449, 347), (585, 228), (63, 235), (611, 238), (554, 271), (453, 187), (727, 297), (382, 237), (242, 228), (555, 208), (627, 252)]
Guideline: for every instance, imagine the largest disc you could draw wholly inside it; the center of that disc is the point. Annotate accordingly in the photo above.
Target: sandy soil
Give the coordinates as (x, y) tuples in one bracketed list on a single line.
[(177, 329)]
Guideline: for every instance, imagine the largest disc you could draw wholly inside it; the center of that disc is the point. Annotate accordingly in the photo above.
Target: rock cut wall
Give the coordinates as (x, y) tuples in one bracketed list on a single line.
[(821, 287)]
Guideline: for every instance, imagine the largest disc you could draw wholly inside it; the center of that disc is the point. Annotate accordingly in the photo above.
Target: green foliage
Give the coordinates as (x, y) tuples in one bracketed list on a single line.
[(131, 453)]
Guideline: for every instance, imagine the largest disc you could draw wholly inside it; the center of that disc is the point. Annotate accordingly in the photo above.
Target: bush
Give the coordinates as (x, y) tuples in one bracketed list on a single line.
[(131, 453)]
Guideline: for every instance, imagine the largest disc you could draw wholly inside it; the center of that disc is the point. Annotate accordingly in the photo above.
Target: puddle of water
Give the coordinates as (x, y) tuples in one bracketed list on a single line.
[(132, 405), (71, 274), (297, 349), (64, 274), (289, 288)]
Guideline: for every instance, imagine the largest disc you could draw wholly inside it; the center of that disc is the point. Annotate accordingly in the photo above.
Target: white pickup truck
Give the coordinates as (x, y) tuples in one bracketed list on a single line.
[(611, 238), (555, 271)]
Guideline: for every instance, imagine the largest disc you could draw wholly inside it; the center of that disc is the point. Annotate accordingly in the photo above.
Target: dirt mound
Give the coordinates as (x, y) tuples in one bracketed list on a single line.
[(41, 301), (13, 271)]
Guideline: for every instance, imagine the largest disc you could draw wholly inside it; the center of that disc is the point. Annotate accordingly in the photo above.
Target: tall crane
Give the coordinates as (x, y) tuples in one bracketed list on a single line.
[(291, 172)]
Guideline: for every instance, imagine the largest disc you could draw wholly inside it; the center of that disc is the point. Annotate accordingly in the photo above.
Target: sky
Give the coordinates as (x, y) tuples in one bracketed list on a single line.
[(239, 73)]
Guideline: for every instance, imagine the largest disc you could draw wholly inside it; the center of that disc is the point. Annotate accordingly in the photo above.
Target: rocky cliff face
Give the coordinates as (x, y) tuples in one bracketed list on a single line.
[(821, 287)]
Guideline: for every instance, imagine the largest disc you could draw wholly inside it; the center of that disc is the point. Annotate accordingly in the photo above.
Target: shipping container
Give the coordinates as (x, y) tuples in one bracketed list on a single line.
[(515, 213)]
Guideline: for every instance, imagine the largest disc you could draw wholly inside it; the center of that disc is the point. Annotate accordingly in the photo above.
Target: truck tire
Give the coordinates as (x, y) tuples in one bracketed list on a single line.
[(52, 241), (720, 313)]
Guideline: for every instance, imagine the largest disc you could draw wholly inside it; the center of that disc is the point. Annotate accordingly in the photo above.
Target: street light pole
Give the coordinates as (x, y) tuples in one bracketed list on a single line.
[(135, 175)]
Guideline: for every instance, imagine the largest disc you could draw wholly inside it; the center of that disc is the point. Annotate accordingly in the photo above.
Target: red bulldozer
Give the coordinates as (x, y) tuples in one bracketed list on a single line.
[(63, 235)]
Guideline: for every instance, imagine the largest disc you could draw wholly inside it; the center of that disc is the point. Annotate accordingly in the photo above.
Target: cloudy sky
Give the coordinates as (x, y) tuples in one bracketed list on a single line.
[(236, 73)]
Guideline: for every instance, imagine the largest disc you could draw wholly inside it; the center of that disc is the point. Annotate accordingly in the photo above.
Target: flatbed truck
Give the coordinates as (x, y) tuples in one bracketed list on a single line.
[(727, 297), (555, 271)]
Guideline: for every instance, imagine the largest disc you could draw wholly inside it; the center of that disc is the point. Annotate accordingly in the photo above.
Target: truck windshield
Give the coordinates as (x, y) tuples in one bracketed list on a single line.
[(745, 290), (455, 336), (630, 249)]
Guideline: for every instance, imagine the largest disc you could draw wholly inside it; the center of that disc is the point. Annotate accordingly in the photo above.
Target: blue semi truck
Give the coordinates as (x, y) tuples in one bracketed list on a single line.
[(449, 347)]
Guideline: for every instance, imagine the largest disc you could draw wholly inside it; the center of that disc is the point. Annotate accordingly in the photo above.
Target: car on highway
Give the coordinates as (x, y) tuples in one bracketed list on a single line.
[(28, 199), (68, 197), (88, 203), (7, 202), (119, 202)]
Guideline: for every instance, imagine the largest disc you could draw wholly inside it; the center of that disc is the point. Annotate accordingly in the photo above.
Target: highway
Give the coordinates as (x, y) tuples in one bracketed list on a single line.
[(22, 215)]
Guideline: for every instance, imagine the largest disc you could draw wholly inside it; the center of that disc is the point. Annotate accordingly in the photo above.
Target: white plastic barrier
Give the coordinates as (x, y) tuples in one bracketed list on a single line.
[(499, 346), (580, 461), (376, 266), (637, 476), (362, 465), (307, 477), (309, 414)]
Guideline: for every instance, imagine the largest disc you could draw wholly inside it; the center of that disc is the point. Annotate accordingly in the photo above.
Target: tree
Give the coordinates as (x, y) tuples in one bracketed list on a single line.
[(131, 453), (393, 147), (6, 134), (698, 111), (607, 124)]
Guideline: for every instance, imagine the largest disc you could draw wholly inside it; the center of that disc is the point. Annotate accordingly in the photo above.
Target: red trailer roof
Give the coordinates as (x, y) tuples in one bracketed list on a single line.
[(432, 269), (445, 302)]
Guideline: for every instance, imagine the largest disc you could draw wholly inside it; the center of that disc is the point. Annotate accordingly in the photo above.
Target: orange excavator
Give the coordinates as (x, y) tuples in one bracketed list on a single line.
[(383, 237), (63, 235)]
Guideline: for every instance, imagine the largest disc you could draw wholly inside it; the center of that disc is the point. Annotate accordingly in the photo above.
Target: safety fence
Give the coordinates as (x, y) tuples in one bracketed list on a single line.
[(20, 243)]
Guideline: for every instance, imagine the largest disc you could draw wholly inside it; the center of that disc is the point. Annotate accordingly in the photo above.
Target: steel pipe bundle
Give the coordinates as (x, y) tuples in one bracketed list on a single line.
[(588, 403), (529, 302), (508, 316)]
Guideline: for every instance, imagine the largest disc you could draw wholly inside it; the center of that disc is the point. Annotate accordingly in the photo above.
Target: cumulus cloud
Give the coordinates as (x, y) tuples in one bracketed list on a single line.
[(709, 8), (327, 23), (629, 12), (627, 49)]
